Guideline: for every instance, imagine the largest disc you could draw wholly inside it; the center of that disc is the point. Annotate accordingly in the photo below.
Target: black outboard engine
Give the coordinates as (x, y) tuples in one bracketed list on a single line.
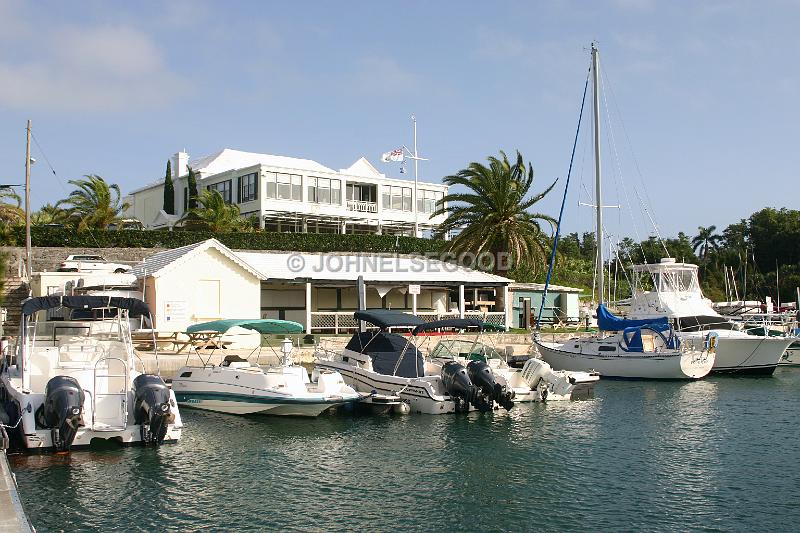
[(151, 408), (458, 385), (480, 373), (62, 410)]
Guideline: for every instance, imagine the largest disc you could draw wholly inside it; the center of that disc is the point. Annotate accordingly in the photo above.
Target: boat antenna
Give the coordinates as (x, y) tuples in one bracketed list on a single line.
[(563, 201)]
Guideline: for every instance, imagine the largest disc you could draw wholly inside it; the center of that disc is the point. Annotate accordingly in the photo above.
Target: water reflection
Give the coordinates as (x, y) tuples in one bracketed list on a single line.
[(640, 455)]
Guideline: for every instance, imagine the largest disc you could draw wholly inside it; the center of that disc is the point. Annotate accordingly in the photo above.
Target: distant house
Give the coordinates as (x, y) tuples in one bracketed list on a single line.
[(562, 305), (289, 194)]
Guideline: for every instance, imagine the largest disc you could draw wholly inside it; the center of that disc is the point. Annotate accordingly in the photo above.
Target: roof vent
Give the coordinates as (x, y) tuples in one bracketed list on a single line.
[(667, 259)]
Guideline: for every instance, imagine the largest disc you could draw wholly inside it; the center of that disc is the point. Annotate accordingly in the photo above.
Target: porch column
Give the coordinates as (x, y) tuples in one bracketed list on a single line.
[(461, 301), (413, 304), (308, 307), (508, 306), (475, 299)]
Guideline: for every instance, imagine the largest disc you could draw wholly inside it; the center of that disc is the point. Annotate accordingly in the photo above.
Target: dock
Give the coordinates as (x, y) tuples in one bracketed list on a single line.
[(12, 515)]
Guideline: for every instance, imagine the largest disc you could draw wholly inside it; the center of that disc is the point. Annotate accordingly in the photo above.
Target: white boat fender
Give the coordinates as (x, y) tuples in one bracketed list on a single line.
[(543, 394), (402, 408)]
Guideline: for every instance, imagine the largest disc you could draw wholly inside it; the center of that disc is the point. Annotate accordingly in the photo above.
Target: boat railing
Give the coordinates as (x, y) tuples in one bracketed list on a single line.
[(343, 321)]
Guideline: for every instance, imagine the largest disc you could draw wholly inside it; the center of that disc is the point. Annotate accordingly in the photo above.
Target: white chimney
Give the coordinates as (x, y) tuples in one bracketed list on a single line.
[(180, 164)]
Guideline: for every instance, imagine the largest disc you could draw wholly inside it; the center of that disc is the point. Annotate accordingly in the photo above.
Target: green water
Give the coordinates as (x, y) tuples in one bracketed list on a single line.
[(714, 455)]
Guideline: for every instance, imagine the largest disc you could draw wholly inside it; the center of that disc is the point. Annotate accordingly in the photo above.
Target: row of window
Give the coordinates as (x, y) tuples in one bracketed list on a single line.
[(321, 191)]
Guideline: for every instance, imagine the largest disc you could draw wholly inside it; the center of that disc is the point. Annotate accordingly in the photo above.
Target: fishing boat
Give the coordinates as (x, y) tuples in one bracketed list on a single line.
[(383, 362), (535, 381), (239, 386), (673, 290), (638, 349), (74, 380)]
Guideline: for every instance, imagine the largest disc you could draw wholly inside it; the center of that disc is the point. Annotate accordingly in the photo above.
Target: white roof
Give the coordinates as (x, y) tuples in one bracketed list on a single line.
[(389, 269), (363, 168), (539, 287), (228, 159), (158, 264)]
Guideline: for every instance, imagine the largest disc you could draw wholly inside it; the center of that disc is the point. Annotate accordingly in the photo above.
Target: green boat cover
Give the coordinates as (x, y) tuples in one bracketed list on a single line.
[(267, 326)]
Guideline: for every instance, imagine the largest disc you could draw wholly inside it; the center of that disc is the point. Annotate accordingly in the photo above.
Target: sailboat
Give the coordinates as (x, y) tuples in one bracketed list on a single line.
[(637, 349)]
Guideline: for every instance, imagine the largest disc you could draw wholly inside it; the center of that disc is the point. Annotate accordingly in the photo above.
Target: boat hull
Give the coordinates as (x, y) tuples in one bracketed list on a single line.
[(420, 395), (688, 365), (251, 404), (738, 353), (791, 357)]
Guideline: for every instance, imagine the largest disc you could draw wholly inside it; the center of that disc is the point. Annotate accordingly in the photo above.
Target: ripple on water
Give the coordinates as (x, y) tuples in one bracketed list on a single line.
[(716, 455)]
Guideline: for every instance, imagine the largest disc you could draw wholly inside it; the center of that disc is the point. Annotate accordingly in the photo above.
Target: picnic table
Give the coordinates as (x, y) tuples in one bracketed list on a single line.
[(200, 339)]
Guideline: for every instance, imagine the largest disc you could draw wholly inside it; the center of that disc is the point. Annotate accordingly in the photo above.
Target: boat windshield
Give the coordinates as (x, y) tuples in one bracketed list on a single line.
[(451, 348)]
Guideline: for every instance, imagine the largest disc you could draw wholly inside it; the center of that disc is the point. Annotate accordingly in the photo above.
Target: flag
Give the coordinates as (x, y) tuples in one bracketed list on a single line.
[(394, 155)]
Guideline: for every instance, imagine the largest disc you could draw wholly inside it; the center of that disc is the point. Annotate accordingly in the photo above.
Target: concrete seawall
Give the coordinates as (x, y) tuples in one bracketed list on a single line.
[(12, 515)]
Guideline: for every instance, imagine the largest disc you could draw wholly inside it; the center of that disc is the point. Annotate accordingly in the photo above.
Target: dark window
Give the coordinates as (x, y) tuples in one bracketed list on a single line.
[(248, 188), (224, 188), (608, 348), (186, 375), (185, 198)]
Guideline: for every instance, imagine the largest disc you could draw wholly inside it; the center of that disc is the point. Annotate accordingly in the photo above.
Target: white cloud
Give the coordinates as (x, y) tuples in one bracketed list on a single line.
[(70, 68)]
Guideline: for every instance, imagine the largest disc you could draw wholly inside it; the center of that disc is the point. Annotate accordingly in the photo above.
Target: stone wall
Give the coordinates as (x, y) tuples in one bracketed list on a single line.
[(47, 259)]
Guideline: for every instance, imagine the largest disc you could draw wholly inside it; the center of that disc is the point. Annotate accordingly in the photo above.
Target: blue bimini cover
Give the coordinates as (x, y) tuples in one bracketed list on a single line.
[(633, 337), (607, 321)]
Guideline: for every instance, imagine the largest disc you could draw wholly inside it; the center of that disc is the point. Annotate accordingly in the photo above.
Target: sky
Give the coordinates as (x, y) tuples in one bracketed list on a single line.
[(700, 98)]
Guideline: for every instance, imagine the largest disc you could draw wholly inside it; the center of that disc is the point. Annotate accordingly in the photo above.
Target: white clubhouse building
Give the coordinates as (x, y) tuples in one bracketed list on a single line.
[(288, 194)]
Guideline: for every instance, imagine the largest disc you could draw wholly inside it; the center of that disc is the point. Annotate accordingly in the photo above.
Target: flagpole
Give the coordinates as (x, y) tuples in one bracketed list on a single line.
[(416, 179)]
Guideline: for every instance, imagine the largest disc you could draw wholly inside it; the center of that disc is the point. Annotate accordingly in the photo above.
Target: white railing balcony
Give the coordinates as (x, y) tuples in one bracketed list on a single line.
[(343, 321), (362, 206)]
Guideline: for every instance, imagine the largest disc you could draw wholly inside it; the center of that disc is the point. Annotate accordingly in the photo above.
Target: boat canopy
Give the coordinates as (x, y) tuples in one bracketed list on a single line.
[(267, 326), (455, 323), (385, 349), (632, 337), (134, 306), (386, 318), (607, 321)]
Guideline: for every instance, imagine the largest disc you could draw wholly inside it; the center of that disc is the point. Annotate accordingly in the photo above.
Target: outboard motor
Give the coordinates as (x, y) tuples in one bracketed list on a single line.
[(151, 408), (480, 373), (62, 410), (458, 385)]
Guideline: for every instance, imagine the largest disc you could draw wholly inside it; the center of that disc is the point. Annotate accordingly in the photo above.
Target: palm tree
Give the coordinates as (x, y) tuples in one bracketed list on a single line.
[(706, 241), (492, 215), (11, 213), (49, 214), (94, 204), (214, 214)]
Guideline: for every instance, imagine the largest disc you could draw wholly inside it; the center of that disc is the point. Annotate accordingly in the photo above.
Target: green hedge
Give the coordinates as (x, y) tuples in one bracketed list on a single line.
[(299, 242)]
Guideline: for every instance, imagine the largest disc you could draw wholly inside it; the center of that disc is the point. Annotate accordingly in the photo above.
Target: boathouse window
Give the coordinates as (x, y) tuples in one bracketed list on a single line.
[(185, 198), (284, 186), (247, 188), (426, 201), (324, 191), (224, 188), (398, 198)]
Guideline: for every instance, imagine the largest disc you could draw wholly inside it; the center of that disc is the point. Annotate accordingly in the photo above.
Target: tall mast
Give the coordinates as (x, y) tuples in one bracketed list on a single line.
[(28, 265), (598, 193), (416, 179)]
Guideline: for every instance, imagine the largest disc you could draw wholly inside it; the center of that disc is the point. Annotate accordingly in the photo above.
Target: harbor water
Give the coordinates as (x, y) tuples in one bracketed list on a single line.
[(721, 454)]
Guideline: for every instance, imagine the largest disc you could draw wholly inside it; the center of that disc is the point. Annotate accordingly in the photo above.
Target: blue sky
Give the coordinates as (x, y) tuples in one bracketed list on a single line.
[(706, 92)]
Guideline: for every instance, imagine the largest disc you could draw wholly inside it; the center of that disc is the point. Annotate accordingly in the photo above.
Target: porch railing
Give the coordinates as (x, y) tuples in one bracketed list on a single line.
[(362, 206), (343, 321)]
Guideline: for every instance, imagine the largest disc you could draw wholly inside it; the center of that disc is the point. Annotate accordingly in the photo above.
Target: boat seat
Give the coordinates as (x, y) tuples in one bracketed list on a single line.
[(233, 358)]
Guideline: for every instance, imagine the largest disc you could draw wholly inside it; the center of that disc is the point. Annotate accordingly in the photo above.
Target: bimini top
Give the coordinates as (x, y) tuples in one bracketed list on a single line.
[(632, 337), (391, 354), (607, 321), (135, 307), (267, 326), (386, 318), (455, 323)]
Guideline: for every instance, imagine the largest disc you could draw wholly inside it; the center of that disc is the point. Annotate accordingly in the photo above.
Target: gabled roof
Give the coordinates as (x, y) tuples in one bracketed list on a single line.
[(228, 159), (363, 168), (162, 262)]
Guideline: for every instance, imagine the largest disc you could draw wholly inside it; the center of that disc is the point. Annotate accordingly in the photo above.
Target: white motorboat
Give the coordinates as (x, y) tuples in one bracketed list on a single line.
[(673, 290), (383, 362), (75, 380), (240, 387), (535, 381), (645, 349)]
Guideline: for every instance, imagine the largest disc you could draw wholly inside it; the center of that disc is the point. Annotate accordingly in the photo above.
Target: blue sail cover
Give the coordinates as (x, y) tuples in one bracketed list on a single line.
[(607, 321)]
